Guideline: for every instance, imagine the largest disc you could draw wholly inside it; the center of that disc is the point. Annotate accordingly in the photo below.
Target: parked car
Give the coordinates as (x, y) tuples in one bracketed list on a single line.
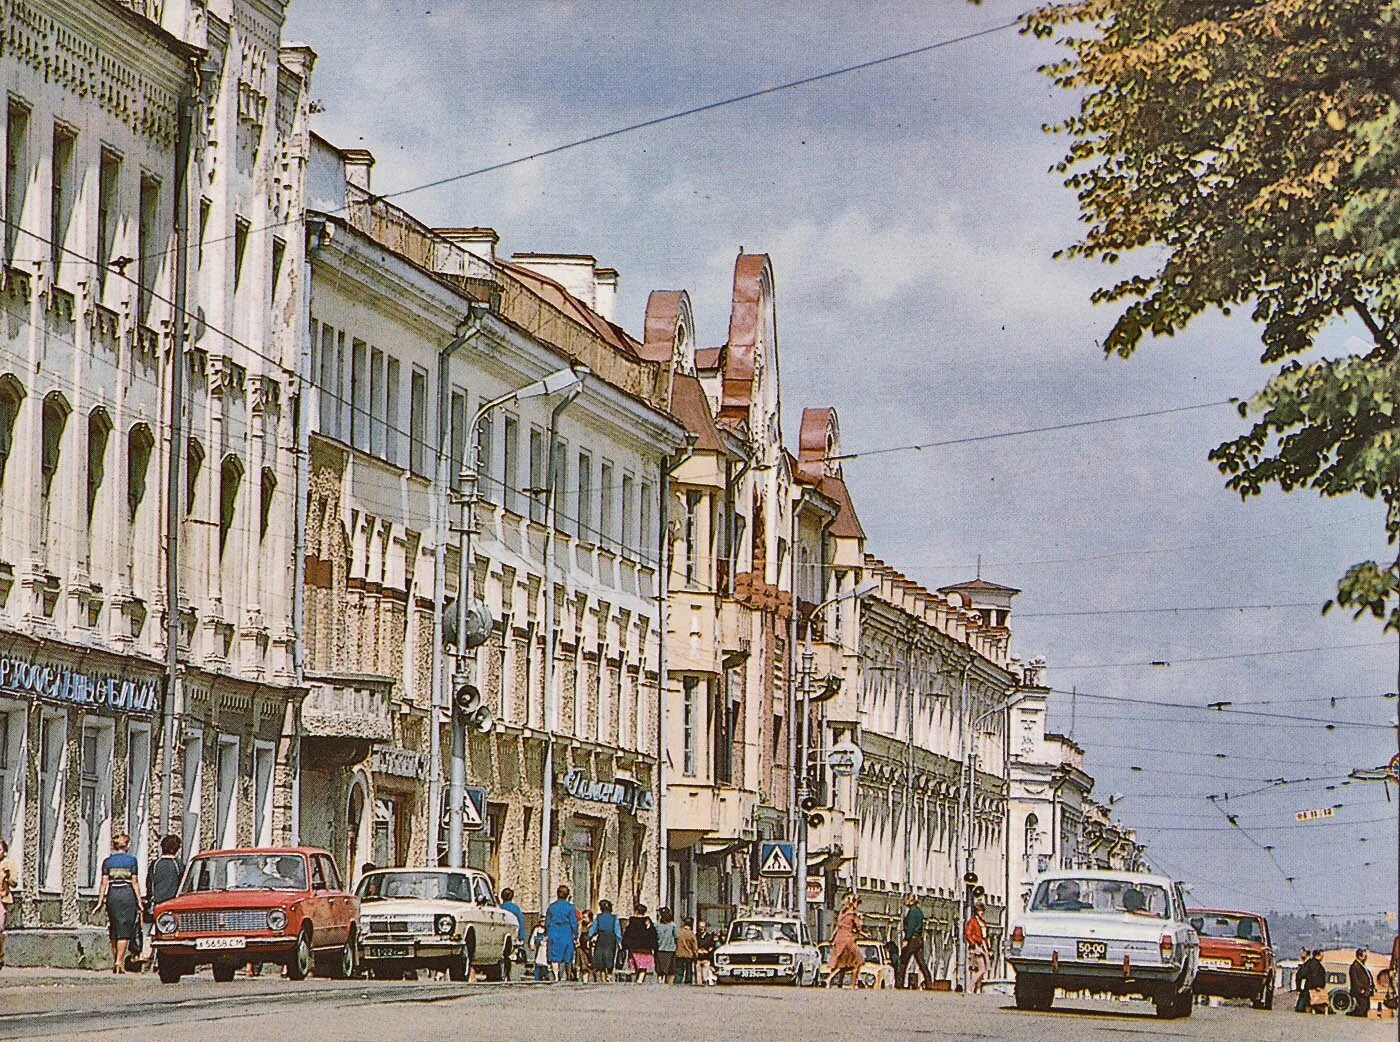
[(767, 947), (432, 918), (265, 904), (1120, 933), (877, 971), (1337, 964), (1237, 957)]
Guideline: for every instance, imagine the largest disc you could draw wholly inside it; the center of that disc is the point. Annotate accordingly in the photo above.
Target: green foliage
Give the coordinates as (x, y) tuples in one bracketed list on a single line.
[(1248, 152)]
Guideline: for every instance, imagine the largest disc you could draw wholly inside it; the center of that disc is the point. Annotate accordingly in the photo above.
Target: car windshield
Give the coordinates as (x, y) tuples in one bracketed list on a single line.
[(1234, 927), (762, 930), (1126, 896), (420, 886), (246, 872), (873, 952)]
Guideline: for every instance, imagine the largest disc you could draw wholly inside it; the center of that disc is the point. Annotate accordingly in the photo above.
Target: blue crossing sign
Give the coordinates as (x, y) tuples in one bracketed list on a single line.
[(776, 859), (474, 809)]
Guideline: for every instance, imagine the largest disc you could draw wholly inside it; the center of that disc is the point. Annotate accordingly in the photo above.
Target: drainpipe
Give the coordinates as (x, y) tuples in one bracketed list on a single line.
[(663, 583), (185, 133)]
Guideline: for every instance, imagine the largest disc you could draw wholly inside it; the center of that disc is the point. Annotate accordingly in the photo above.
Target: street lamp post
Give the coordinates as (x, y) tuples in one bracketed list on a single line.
[(970, 794), (563, 380), (803, 776)]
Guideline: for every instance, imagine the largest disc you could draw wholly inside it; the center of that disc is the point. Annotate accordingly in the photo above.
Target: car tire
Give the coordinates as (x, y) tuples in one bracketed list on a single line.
[(224, 971), (1185, 1003), (300, 964), (1266, 1000), (460, 968), (347, 967), (1340, 1000), (1033, 995), (171, 970)]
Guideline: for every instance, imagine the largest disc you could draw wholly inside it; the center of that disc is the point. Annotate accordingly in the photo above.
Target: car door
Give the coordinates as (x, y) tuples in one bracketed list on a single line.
[(491, 929), (341, 906)]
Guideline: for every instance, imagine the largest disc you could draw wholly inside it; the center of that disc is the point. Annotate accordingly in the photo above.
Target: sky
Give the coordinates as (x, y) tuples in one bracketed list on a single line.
[(911, 221)]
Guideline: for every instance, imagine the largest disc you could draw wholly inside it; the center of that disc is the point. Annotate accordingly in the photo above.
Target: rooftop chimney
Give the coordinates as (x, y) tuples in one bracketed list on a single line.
[(605, 292), (358, 164), (480, 242)]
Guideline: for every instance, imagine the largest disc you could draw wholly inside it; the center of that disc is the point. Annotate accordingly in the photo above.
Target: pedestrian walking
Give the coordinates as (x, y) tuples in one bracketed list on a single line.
[(1362, 986), (706, 941), (561, 929), (639, 938), (978, 959), (667, 933), (912, 928), (583, 954), (166, 872), (1312, 982), (539, 952), (846, 955), (508, 904), (606, 937), (686, 951), (121, 893), (9, 880)]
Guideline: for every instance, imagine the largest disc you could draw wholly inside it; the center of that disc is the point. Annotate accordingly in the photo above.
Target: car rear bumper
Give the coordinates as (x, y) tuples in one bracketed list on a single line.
[(1230, 984), (1098, 976)]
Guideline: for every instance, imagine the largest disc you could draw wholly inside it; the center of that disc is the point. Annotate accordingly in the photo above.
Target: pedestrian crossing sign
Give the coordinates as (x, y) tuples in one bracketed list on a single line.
[(474, 809), (776, 859)]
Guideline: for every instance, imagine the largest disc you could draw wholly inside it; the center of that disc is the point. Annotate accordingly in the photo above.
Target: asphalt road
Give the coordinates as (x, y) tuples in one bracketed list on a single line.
[(247, 1010)]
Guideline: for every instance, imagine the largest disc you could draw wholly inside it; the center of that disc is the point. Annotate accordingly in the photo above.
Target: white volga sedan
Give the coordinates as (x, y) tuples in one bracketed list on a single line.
[(432, 918), (771, 948), (1117, 933)]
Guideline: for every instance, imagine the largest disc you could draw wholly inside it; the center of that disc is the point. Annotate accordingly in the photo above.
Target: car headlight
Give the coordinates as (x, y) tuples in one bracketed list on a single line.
[(165, 922), (784, 959), (721, 960), (444, 925), (277, 920)]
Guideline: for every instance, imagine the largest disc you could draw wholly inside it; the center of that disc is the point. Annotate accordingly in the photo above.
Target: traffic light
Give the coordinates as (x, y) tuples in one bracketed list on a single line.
[(479, 623)]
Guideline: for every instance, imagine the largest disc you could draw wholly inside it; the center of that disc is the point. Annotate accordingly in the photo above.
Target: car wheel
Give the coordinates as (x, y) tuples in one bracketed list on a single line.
[(1032, 995), (460, 968), (1168, 1004), (1340, 1000), (493, 972), (348, 967), (299, 965), (1185, 1003), (1266, 1000), (171, 970), (224, 971)]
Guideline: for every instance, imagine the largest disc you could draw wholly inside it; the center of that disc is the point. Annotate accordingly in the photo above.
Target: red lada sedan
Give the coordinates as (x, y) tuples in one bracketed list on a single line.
[(282, 905), (1237, 958)]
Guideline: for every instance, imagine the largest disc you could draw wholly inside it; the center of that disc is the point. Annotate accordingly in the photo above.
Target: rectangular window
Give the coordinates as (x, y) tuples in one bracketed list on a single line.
[(391, 412), (94, 802), (342, 389), (359, 395), (61, 207), (457, 415), (12, 781), (226, 808), (108, 206), (240, 250), (583, 499), (692, 537), (148, 251), (327, 381), (485, 459), (192, 778), (53, 733), (690, 688), (646, 538), (16, 175), (629, 515), (376, 402), (563, 519), (510, 476), (264, 760), (418, 423), (536, 475), (138, 789), (606, 493)]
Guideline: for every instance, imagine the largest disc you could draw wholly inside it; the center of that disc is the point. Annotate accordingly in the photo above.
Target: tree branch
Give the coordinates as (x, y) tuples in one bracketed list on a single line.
[(1385, 347)]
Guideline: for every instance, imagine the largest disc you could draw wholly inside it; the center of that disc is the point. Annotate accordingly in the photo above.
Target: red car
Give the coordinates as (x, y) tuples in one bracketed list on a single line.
[(276, 904), (1237, 958)]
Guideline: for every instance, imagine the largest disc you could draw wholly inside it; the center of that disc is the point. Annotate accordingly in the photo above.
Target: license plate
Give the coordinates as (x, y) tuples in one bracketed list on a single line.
[(1216, 964), (387, 952), (753, 971), (1093, 949), (212, 944)]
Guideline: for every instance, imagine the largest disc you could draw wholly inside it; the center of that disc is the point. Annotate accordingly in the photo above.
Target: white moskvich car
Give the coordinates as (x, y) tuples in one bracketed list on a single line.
[(770, 948), (432, 918), (1119, 933)]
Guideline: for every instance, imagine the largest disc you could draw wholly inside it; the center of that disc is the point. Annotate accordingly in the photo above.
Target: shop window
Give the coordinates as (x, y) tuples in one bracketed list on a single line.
[(192, 777), (264, 762), (94, 802), (138, 789), (53, 733), (12, 780), (226, 807), (580, 852)]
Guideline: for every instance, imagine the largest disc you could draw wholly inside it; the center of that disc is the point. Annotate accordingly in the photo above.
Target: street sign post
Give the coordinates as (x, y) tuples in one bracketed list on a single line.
[(473, 809), (816, 890), (776, 859)]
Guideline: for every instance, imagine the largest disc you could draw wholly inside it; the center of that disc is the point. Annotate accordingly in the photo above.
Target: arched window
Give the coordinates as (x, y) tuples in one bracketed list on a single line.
[(99, 430), (56, 410), (269, 489), (230, 478), (139, 445), (11, 395), (194, 462), (1032, 826)]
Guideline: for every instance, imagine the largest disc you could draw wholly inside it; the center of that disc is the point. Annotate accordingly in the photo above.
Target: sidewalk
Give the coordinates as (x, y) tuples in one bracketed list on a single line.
[(38, 976)]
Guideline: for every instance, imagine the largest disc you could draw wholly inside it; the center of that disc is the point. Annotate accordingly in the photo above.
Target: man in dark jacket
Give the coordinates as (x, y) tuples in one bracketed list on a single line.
[(1310, 975), (1362, 984), (913, 950)]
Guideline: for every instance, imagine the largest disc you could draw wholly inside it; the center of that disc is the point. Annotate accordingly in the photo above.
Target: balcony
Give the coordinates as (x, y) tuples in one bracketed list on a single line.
[(344, 715), (735, 628), (712, 813)]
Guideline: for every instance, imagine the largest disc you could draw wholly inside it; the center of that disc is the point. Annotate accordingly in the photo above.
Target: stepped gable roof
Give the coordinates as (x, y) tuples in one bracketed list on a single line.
[(576, 309)]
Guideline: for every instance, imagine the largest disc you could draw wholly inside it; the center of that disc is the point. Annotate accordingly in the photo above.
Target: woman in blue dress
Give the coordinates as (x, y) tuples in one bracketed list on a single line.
[(561, 932)]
